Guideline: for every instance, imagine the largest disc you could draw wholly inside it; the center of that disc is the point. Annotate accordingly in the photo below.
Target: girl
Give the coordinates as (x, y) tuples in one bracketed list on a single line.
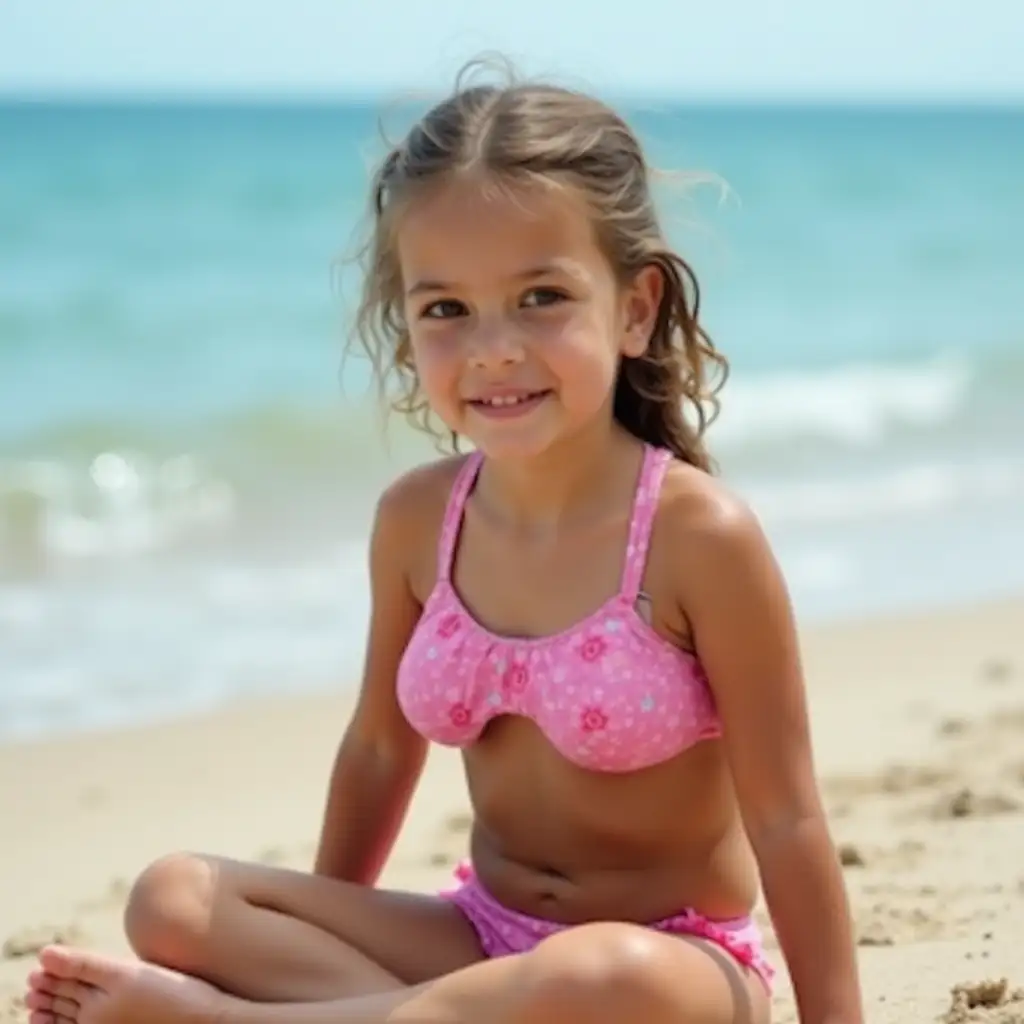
[(579, 605)]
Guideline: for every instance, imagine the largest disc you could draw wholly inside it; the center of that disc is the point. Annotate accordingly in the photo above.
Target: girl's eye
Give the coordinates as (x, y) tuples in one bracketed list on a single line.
[(445, 309), (543, 297)]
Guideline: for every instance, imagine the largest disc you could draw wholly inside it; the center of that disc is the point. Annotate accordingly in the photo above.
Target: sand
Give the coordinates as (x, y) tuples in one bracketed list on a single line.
[(919, 735)]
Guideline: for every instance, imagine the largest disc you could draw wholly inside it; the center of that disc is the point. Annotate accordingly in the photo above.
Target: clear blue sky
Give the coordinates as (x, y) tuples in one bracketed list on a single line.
[(722, 49)]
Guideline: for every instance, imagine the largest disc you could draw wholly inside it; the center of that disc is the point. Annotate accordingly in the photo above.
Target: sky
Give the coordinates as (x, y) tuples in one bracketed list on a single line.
[(746, 50)]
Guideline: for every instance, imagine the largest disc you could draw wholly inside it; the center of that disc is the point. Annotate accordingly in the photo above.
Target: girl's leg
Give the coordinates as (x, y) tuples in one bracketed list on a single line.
[(273, 935), (591, 974)]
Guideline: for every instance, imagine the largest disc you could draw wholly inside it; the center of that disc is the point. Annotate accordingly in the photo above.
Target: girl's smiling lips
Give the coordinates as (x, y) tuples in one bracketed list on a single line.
[(507, 403)]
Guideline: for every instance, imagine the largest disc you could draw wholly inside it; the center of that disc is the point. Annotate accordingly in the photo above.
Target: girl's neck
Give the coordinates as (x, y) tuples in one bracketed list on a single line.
[(563, 484)]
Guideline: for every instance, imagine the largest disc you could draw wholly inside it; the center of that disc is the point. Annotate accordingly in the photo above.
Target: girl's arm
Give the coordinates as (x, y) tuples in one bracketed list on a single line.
[(380, 757), (742, 624)]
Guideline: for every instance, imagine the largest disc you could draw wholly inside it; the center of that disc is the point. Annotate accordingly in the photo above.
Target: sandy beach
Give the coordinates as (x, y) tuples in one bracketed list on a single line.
[(919, 735)]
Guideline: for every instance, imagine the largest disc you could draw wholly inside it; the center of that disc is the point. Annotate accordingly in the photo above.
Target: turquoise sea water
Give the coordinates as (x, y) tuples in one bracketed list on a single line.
[(187, 467)]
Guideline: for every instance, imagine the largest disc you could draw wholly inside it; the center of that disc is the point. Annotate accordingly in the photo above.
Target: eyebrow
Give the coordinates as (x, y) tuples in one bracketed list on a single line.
[(545, 270)]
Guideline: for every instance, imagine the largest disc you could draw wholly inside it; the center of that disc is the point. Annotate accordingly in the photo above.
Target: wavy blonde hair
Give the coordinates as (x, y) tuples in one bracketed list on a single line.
[(522, 133)]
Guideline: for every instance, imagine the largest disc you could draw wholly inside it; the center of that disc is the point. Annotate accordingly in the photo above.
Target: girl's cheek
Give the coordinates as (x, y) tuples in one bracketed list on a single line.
[(436, 365)]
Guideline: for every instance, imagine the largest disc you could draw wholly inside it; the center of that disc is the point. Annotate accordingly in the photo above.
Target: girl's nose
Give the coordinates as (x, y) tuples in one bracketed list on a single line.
[(495, 345)]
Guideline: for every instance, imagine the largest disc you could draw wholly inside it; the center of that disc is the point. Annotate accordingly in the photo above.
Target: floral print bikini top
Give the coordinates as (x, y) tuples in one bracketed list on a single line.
[(609, 693)]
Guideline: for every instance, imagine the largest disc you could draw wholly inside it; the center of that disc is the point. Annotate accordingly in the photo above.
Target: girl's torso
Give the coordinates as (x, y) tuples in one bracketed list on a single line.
[(560, 668)]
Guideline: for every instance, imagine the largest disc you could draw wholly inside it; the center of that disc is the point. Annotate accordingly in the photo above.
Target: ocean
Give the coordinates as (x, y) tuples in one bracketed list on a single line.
[(188, 465)]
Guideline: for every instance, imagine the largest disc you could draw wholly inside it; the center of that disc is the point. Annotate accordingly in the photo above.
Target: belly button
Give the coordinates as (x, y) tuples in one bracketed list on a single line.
[(553, 873)]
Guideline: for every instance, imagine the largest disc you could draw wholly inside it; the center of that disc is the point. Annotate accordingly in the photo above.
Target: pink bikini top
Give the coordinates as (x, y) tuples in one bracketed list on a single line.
[(609, 693)]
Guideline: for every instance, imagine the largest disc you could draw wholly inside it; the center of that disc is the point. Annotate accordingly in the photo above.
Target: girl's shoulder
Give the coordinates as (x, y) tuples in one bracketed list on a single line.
[(694, 504), (410, 514), (418, 490), (705, 531)]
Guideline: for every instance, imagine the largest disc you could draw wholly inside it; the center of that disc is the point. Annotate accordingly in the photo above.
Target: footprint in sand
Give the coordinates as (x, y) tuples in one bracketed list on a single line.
[(874, 935), (115, 896), (967, 803), (851, 855), (905, 855), (900, 779), (14, 1009), (997, 671), (888, 925), (1008, 720), (458, 824), (895, 780), (29, 941), (450, 844), (952, 727)]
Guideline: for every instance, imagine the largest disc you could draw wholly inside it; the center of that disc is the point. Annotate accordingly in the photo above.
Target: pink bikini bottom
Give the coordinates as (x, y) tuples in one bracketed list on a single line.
[(502, 931)]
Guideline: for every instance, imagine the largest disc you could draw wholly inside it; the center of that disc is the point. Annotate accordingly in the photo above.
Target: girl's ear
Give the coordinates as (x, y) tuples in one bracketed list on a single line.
[(642, 300)]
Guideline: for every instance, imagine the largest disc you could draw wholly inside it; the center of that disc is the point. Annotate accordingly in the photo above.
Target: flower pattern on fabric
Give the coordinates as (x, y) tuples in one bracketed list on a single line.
[(592, 648), (460, 715), (610, 693), (515, 680), (593, 720), (448, 626)]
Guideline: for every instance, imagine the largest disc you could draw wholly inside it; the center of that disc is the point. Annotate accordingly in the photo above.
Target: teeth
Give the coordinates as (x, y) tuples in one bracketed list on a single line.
[(508, 399)]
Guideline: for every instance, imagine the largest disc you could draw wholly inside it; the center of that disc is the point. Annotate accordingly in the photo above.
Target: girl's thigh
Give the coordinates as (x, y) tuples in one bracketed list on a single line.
[(611, 972), (415, 937)]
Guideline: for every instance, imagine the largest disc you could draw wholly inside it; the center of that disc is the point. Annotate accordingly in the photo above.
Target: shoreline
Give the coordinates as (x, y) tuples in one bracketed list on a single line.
[(918, 727), (815, 628)]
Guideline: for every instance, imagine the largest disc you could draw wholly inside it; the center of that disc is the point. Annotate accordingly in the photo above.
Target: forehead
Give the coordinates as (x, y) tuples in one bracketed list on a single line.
[(465, 231)]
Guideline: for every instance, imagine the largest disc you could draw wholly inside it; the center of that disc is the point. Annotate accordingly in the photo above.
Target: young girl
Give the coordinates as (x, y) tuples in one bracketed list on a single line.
[(579, 605)]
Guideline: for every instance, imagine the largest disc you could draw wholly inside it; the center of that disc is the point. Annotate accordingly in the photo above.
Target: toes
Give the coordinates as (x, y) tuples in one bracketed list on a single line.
[(78, 965), (41, 1017), (44, 984), (42, 981), (48, 1009), (65, 1008), (37, 1000), (61, 1006)]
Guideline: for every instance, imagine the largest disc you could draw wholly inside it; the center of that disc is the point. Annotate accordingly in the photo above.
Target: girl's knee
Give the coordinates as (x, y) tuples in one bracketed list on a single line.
[(169, 909), (610, 972), (598, 972)]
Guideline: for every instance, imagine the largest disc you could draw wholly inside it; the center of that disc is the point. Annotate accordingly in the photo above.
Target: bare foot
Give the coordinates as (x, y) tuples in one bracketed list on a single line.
[(73, 986)]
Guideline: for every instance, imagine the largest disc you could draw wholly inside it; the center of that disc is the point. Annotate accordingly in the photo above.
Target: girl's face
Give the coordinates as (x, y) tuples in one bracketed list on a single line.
[(516, 321)]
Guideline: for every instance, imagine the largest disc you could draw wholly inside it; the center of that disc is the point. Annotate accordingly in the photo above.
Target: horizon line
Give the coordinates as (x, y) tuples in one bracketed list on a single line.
[(409, 97)]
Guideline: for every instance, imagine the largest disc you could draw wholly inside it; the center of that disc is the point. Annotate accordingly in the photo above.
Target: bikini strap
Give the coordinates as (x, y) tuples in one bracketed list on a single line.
[(645, 504), (453, 514)]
